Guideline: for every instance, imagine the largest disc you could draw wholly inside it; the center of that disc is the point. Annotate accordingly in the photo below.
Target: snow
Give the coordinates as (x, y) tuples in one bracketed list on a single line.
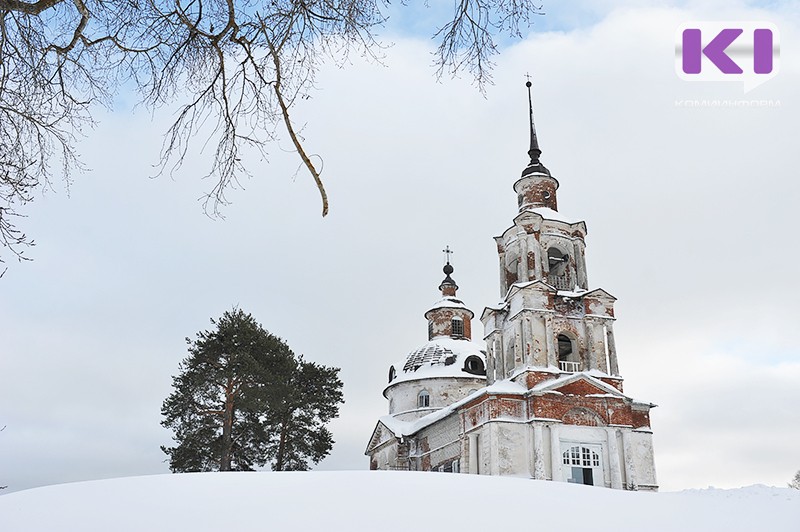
[(386, 500), (406, 428), (437, 368), (549, 214), (448, 302), (572, 294)]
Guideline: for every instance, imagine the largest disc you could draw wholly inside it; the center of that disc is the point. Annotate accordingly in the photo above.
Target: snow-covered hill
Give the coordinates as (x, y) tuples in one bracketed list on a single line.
[(386, 501)]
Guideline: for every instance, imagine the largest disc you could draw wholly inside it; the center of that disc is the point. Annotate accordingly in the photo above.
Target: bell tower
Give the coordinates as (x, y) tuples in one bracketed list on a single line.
[(549, 322)]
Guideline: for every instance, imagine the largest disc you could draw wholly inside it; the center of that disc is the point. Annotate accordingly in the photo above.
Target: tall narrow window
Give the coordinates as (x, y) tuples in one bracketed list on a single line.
[(458, 326), (567, 357), (558, 275), (423, 399), (430, 329)]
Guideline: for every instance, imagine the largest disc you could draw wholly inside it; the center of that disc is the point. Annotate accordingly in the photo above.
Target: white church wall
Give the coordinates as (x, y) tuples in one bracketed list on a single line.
[(641, 448), (511, 443), (439, 444), (404, 396), (385, 457)]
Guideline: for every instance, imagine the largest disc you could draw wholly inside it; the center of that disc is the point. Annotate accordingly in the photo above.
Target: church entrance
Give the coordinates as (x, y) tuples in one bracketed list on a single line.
[(581, 465)]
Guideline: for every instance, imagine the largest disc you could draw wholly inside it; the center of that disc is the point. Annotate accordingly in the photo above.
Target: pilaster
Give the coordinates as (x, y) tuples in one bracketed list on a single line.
[(538, 452), (555, 453), (613, 459), (612, 350)]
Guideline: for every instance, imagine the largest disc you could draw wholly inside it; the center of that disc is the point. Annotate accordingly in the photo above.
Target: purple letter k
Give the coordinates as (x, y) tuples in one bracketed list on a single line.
[(715, 51)]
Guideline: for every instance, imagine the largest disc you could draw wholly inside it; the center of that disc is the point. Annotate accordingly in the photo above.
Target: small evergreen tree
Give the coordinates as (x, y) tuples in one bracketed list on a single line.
[(795, 483), (238, 391)]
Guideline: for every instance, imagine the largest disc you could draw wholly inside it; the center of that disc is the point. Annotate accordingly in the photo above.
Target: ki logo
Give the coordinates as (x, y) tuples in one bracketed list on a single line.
[(746, 52)]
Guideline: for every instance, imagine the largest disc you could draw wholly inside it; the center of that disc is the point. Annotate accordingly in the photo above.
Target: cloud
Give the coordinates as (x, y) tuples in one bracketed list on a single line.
[(690, 214)]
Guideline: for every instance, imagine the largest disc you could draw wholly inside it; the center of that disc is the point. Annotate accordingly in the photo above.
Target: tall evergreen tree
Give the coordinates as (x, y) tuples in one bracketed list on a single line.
[(236, 393), (298, 432)]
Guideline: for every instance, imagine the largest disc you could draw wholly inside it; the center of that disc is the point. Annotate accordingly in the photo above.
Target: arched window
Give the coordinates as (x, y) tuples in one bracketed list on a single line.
[(423, 399), (392, 373), (458, 326), (557, 265), (567, 354), (582, 465)]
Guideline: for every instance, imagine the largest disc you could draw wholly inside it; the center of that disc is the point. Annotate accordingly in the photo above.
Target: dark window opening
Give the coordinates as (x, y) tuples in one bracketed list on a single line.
[(567, 357), (581, 475), (473, 364), (392, 373), (564, 347), (558, 275), (557, 261)]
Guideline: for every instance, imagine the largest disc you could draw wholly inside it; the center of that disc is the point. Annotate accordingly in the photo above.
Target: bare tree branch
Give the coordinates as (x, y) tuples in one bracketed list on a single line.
[(236, 68)]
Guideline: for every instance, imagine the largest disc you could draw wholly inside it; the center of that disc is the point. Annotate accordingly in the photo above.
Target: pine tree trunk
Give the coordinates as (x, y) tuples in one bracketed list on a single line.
[(281, 445), (227, 430)]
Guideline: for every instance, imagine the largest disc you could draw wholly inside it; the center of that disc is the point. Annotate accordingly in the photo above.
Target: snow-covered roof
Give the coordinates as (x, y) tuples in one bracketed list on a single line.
[(577, 293), (508, 386), (441, 357), (549, 214), (448, 302), (407, 428)]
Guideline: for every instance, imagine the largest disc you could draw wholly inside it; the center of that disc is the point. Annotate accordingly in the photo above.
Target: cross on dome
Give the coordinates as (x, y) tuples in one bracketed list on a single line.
[(448, 286), (447, 252)]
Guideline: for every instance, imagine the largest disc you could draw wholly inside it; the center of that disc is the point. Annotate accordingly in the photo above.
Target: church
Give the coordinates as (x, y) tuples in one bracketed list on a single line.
[(543, 396)]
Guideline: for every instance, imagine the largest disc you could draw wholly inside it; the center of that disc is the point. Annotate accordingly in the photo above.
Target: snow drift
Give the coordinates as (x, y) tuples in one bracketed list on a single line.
[(386, 501)]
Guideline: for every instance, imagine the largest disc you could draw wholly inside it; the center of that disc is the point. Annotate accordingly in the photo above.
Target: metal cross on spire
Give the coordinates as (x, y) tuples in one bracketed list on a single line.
[(534, 152), (535, 166), (447, 252)]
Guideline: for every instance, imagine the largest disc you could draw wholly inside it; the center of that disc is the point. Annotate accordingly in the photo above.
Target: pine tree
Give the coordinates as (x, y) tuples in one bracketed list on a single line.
[(234, 394), (299, 431), (795, 483)]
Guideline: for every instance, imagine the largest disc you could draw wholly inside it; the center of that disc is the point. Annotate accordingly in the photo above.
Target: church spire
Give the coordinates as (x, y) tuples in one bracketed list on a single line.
[(448, 286), (535, 166)]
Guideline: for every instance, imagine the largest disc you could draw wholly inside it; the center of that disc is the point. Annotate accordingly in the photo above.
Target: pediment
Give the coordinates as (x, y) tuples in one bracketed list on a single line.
[(579, 384), (530, 286), (380, 435), (599, 293)]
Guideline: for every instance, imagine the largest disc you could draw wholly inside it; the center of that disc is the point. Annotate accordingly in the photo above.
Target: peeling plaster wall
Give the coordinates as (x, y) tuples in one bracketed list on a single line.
[(443, 392), (385, 457), (441, 322), (439, 445), (512, 442), (536, 191), (526, 332), (643, 460)]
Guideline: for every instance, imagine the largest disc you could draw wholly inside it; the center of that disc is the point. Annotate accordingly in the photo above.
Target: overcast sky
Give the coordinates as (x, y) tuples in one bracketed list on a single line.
[(691, 211)]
